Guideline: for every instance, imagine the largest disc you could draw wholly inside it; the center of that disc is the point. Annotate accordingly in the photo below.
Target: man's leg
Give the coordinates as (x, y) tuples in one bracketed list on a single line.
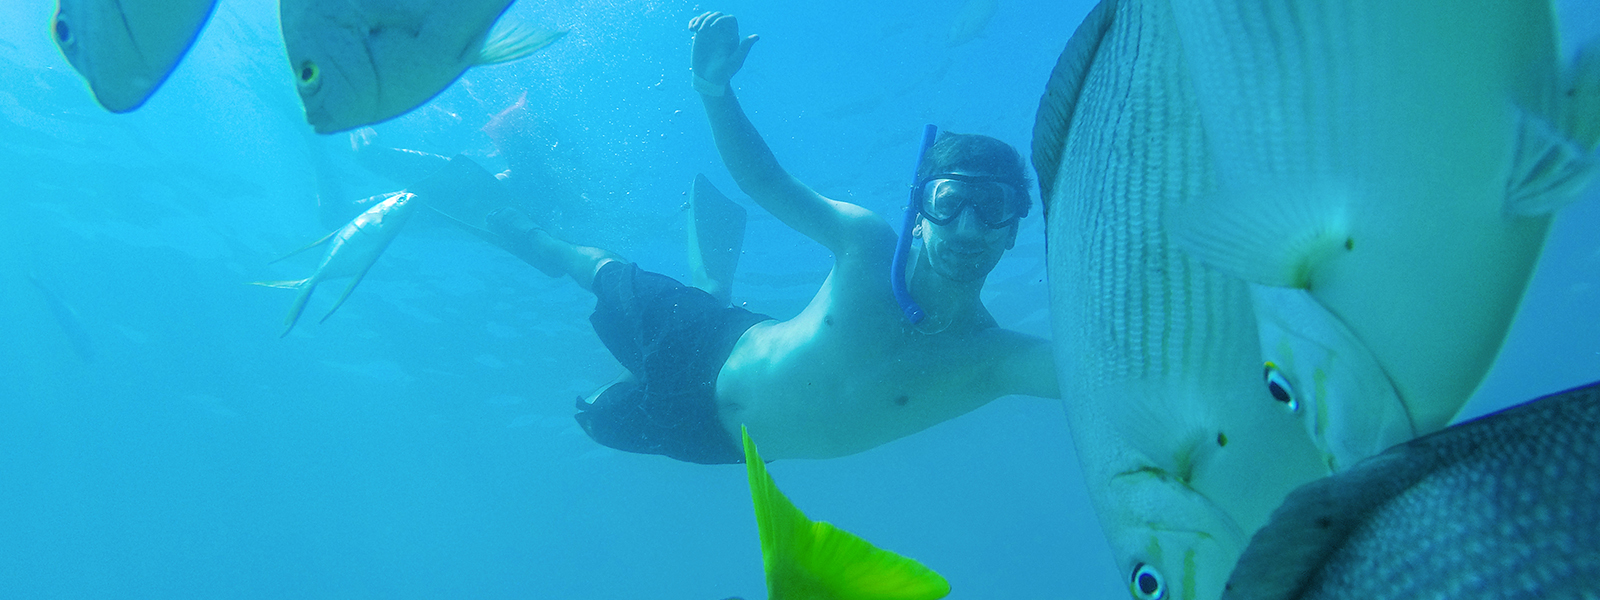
[(524, 239)]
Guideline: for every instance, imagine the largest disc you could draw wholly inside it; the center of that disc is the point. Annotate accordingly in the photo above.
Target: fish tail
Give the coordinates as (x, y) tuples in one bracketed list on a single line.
[(833, 559), (298, 307)]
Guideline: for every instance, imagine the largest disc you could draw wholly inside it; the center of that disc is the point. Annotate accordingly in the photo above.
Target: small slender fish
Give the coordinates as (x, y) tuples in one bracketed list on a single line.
[(125, 49), (1505, 506), (360, 62), (810, 560), (355, 247)]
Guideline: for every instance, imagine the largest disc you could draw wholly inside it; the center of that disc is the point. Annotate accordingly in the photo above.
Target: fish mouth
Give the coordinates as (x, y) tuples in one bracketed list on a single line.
[(1195, 500)]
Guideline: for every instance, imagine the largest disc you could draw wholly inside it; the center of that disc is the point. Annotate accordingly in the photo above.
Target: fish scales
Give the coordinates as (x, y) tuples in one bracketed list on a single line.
[(1504, 506), (1183, 452)]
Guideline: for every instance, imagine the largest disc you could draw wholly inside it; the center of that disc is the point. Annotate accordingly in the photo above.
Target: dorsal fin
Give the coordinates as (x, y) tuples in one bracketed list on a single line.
[(1061, 93)]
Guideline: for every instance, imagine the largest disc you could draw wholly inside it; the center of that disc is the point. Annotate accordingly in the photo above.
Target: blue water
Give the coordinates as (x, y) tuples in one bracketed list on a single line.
[(158, 439)]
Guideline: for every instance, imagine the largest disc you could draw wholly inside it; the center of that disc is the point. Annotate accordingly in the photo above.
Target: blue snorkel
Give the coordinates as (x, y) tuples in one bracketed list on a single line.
[(902, 251)]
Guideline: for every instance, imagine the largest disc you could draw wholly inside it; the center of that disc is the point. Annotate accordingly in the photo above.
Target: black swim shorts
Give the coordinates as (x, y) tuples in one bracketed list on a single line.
[(674, 339)]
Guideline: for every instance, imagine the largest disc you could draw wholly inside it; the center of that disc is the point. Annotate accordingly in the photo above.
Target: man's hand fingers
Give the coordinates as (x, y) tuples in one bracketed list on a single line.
[(722, 21), (699, 21)]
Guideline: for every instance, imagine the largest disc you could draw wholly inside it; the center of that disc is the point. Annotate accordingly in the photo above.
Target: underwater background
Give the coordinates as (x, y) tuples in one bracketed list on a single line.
[(159, 440)]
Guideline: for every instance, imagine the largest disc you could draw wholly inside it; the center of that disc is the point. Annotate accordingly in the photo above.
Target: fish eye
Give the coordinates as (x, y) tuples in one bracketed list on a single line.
[(1147, 583), (309, 72), (63, 32), (1279, 387)]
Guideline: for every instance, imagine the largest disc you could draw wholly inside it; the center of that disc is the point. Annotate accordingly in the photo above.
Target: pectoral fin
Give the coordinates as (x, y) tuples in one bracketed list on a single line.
[(1550, 170), (306, 247), (508, 42), (1275, 239), (808, 559), (299, 306)]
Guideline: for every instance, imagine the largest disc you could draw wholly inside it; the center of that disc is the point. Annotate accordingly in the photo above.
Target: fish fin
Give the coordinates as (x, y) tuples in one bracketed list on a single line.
[(306, 247), (285, 285), (805, 558), (1549, 170), (1270, 239), (716, 238), (299, 306), (346, 295), (507, 42), (1061, 93)]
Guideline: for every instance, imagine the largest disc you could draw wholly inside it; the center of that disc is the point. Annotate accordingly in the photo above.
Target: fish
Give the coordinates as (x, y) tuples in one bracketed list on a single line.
[(970, 22), (812, 560), (1399, 162), (351, 253), (67, 318), (125, 49), (1183, 452), (361, 62), (1503, 506)]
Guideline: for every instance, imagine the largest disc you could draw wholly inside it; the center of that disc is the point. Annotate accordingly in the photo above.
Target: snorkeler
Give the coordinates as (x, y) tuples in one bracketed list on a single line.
[(850, 372)]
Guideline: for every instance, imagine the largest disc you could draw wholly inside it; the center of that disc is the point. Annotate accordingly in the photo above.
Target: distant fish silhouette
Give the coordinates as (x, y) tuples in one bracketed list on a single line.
[(970, 22), (67, 317)]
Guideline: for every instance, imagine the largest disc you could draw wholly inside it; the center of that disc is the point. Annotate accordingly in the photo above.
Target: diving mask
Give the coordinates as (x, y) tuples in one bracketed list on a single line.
[(996, 202)]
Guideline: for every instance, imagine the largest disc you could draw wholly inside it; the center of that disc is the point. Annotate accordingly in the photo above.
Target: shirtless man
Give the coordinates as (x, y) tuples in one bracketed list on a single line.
[(850, 372)]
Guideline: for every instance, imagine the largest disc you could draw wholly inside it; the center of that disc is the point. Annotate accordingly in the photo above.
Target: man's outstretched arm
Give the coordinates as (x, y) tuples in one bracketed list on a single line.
[(718, 54)]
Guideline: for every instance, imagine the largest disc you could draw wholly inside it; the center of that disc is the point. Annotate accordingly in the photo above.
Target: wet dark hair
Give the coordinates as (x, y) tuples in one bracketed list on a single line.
[(973, 153)]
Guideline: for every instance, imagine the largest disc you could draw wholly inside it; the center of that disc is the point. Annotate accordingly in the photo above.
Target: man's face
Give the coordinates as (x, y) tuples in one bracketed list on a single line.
[(967, 246)]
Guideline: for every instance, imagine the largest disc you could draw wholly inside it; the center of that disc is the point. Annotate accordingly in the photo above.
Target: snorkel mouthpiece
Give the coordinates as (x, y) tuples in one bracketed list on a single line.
[(902, 251)]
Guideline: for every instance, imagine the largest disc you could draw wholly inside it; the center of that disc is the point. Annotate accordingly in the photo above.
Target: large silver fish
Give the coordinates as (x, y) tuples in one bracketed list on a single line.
[(1505, 506), (353, 250), (1184, 452), (359, 62), (125, 49), (1397, 162)]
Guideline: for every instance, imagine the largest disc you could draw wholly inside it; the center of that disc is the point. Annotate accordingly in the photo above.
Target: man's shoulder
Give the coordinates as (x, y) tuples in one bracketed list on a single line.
[(865, 229)]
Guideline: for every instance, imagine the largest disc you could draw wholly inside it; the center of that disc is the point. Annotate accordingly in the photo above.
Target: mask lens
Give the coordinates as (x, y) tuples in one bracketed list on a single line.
[(992, 201)]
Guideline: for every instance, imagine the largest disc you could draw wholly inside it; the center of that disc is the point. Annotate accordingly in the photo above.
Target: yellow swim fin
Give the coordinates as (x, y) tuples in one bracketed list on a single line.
[(809, 560)]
